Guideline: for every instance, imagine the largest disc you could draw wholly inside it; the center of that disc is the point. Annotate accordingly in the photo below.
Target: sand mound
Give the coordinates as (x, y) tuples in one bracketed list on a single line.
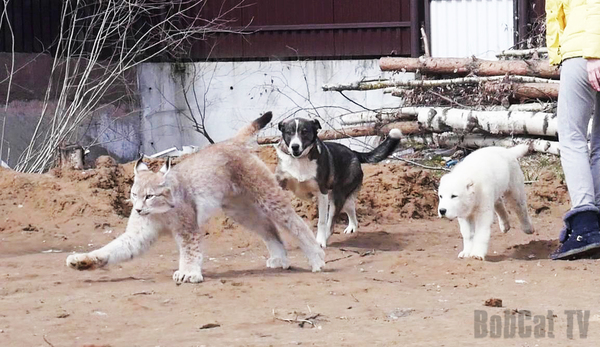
[(548, 190), (389, 192)]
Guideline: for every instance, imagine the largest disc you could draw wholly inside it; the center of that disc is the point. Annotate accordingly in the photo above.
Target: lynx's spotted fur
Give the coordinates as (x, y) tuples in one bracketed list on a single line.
[(226, 176)]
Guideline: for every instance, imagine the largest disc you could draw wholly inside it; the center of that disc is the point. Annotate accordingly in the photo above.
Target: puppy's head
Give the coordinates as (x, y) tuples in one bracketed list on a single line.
[(457, 197), (299, 135)]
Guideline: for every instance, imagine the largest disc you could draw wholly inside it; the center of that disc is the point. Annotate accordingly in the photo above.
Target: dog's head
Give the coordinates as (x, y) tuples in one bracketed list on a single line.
[(299, 135), (457, 196)]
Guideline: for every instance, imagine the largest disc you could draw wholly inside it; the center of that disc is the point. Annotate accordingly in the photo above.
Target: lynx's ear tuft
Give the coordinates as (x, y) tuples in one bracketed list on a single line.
[(140, 166), (166, 167)]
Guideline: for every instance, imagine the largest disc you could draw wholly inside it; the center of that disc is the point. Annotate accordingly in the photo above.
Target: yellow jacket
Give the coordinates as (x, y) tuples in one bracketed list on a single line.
[(572, 29)]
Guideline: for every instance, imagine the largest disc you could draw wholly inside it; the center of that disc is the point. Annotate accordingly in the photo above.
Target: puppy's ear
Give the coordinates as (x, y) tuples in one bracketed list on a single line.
[(317, 124), (470, 185), (280, 126)]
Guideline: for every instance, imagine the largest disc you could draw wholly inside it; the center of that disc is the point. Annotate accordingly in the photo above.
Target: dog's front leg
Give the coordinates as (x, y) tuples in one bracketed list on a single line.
[(466, 230), (481, 237), (322, 227)]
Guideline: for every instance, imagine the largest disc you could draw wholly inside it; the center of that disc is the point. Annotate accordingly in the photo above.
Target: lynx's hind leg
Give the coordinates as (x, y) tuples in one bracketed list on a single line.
[(280, 212), (251, 217)]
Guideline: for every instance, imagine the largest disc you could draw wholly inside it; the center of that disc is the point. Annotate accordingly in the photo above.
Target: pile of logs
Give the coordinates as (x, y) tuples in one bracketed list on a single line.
[(466, 102)]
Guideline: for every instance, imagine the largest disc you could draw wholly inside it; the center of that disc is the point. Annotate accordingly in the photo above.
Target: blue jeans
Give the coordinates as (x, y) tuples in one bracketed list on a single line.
[(577, 103)]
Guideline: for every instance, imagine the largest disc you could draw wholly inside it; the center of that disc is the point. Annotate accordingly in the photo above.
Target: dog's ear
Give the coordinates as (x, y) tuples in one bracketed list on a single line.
[(280, 126), (317, 124), (470, 185)]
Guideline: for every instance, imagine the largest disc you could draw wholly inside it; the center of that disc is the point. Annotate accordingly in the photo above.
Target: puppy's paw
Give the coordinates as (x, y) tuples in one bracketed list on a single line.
[(317, 261), (530, 230), (187, 277), (504, 227), (275, 263), (350, 229), (477, 257), (463, 255), (322, 240), (85, 261)]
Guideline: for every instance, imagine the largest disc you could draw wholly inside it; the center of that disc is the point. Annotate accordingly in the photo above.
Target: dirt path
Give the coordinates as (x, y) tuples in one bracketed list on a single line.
[(396, 282)]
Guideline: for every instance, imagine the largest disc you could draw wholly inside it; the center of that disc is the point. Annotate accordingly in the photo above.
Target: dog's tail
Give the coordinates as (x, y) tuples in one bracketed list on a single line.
[(382, 151), (246, 132), (519, 151)]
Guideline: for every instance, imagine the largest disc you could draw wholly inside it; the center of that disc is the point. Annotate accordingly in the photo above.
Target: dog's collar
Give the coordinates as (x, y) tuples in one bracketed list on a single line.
[(282, 146)]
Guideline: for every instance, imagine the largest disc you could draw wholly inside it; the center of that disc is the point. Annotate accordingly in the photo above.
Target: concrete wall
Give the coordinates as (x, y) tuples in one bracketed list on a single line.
[(232, 93), (111, 129)]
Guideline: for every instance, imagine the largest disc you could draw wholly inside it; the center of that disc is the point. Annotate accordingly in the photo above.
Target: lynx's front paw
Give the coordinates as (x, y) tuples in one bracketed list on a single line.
[(85, 261), (187, 277), (275, 263), (317, 261)]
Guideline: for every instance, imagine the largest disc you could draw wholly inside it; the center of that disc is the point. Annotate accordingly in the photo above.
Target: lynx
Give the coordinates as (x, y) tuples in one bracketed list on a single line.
[(226, 176)]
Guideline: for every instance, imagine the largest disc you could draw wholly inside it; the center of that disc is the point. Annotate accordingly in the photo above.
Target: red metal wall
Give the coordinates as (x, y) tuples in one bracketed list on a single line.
[(283, 29), (273, 29)]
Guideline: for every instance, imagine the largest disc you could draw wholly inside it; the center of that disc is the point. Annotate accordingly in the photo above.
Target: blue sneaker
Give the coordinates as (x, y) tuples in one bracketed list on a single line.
[(580, 239)]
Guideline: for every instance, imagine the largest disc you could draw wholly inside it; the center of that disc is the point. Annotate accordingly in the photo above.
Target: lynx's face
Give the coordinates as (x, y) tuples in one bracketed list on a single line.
[(149, 193)]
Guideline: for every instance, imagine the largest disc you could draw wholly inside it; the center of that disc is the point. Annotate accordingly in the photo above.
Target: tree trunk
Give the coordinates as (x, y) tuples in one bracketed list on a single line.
[(71, 157), (465, 66), (383, 84), (440, 119), (404, 113), (544, 91), (407, 128), (479, 140)]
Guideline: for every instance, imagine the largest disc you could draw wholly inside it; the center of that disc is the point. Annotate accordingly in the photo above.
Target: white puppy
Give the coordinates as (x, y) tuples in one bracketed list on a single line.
[(475, 189)]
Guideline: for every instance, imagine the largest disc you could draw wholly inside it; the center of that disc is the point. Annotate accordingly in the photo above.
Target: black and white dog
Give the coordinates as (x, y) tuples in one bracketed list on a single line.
[(331, 171)]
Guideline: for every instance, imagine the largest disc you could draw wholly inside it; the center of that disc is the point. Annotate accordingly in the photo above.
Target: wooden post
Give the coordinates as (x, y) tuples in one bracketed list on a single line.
[(71, 157), (415, 42)]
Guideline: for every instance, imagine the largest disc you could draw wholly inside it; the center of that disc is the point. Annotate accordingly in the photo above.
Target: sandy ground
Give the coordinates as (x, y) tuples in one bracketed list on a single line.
[(396, 282)]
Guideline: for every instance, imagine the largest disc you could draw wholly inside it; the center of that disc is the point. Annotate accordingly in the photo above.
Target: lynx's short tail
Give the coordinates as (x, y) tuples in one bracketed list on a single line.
[(246, 132)]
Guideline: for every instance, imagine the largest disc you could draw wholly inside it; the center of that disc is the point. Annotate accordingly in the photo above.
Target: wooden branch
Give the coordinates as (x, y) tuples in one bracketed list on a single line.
[(425, 42), (522, 52), (479, 140), (440, 119), (464, 66), (384, 84)]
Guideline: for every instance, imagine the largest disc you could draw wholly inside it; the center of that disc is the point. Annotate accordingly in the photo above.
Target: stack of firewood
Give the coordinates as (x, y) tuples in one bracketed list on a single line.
[(466, 102)]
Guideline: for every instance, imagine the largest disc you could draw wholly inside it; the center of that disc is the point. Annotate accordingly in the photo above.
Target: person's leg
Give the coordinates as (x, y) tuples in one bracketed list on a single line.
[(595, 150), (575, 104), (581, 236)]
